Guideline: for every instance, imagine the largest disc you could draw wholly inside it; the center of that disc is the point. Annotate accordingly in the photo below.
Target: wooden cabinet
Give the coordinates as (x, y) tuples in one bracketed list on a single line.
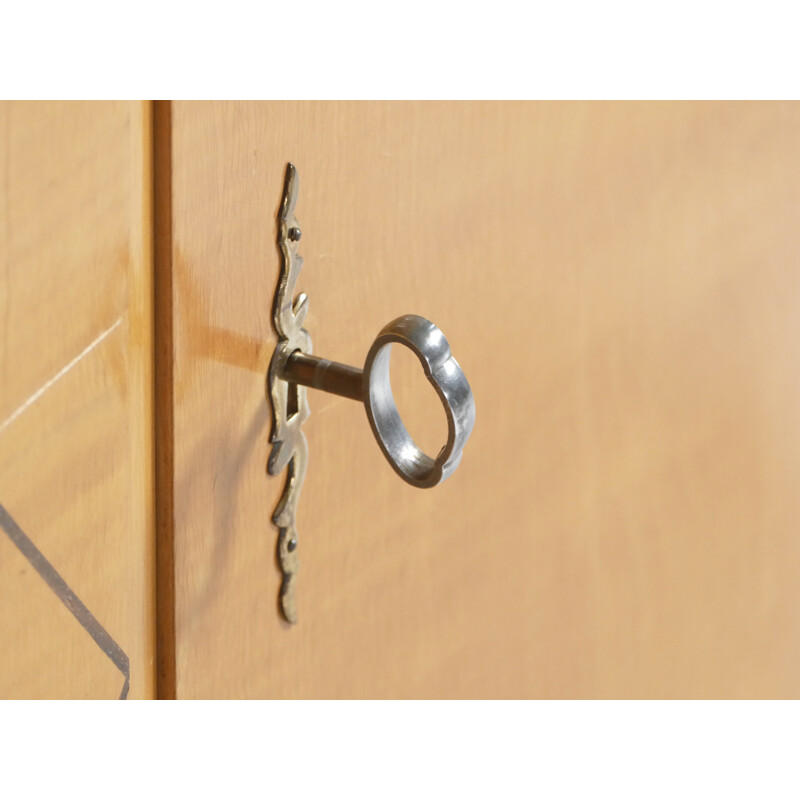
[(619, 282)]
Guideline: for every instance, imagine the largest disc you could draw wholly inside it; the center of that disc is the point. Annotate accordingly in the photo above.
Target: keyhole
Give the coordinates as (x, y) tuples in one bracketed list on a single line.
[(292, 400)]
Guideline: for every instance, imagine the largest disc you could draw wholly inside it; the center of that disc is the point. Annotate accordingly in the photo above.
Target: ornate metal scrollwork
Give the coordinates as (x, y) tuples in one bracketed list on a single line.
[(293, 368), (289, 400)]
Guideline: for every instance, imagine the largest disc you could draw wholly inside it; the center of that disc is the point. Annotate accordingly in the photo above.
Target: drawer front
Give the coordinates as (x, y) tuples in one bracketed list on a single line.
[(620, 284)]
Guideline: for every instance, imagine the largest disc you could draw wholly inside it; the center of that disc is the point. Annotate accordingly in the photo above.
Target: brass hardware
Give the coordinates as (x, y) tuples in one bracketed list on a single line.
[(293, 368)]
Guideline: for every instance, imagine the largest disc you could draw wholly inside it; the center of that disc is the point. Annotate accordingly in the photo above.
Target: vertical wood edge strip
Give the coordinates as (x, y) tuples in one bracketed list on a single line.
[(140, 346), (163, 372)]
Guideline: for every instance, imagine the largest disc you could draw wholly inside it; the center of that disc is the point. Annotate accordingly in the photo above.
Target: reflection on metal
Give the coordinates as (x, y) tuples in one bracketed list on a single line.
[(293, 368), (450, 383), (289, 402)]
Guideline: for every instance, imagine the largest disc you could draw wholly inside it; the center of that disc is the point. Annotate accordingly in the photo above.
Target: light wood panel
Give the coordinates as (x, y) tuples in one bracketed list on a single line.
[(620, 283), (76, 408)]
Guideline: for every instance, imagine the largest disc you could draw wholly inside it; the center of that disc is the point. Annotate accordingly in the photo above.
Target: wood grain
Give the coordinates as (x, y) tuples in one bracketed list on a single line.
[(76, 436), (620, 283)]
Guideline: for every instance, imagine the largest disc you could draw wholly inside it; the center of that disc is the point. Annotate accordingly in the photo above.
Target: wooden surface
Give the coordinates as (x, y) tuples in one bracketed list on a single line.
[(620, 283), (76, 523)]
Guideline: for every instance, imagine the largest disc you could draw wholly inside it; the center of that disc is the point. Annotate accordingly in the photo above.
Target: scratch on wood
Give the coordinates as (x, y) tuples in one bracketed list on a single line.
[(59, 586), (60, 374)]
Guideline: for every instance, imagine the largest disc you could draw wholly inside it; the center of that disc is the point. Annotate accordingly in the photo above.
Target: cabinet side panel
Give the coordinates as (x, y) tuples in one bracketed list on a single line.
[(77, 616)]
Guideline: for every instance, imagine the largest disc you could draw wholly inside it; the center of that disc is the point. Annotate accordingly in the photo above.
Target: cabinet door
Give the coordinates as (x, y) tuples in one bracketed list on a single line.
[(619, 282), (76, 513)]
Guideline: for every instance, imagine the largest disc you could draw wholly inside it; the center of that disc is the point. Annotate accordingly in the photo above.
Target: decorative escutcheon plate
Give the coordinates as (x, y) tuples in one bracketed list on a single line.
[(293, 368)]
